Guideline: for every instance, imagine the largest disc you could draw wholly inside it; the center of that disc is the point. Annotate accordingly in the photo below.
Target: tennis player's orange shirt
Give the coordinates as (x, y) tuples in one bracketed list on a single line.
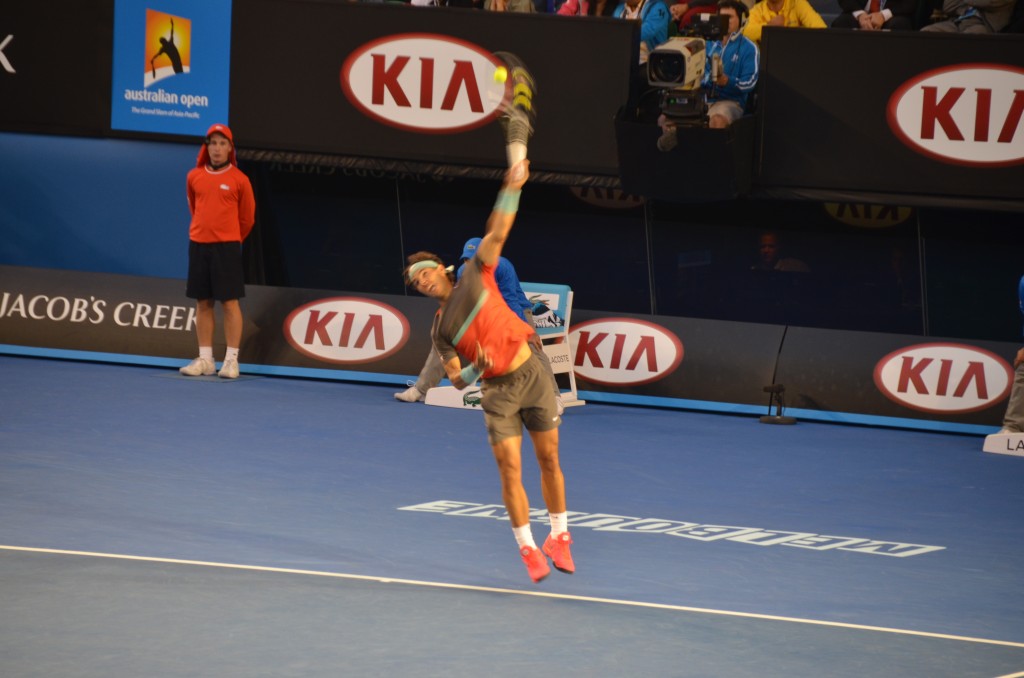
[(222, 205), (476, 312)]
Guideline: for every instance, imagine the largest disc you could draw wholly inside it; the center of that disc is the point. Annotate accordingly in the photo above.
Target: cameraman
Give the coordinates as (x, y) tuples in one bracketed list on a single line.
[(730, 72)]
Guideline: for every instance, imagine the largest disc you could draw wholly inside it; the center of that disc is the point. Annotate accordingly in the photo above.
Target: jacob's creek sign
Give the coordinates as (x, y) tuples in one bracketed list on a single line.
[(92, 311)]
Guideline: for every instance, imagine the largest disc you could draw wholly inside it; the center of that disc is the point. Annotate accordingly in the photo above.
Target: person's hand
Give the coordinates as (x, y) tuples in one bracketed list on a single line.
[(517, 175), (777, 20), (877, 21), (722, 80), (865, 21), (1019, 359), (483, 361), (678, 10)]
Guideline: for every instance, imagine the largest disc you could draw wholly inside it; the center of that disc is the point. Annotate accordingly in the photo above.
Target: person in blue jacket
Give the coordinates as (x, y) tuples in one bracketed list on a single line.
[(730, 75), (506, 277), (654, 17), (731, 68)]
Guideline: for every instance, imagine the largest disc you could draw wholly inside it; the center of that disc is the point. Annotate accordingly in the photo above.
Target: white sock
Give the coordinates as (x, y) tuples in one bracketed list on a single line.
[(231, 354), (206, 352), (559, 523), (524, 537)]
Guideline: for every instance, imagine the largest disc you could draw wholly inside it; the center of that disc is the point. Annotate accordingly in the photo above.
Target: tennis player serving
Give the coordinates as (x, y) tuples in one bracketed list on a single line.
[(473, 320)]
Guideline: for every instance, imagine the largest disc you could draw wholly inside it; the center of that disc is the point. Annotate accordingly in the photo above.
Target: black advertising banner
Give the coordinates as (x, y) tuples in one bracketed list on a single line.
[(55, 59), (666, 357), (901, 112), (419, 83), (106, 313), (654, 360), (893, 375)]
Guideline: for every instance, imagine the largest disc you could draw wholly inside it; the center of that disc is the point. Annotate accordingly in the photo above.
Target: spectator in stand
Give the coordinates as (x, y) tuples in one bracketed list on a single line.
[(788, 13), (582, 8), (976, 16), (730, 71), (465, 4), (1016, 24), (654, 18), (770, 256), (525, 6), (730, 75), (684, 12), (877, 15), (574, 8)]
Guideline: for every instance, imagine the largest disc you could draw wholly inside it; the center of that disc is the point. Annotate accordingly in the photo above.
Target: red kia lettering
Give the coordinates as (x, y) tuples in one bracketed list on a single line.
[(423, 82)]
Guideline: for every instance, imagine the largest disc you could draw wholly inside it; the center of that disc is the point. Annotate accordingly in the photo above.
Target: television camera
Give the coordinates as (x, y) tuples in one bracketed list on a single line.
[(677, 68)]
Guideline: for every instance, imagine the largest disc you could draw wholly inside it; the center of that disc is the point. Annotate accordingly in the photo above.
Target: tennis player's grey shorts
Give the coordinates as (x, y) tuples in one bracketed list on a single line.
[(521, 398)]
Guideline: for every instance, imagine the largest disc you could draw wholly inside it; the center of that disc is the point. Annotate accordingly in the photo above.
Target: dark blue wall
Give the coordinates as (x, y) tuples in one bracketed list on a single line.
[(94, 205)]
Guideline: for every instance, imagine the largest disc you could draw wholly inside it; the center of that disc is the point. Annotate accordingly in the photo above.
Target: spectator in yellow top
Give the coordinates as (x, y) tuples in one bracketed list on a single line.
[(790, 13)]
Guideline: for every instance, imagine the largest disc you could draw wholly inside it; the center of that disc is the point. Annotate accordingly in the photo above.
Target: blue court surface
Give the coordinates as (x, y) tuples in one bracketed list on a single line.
[(154, 525)]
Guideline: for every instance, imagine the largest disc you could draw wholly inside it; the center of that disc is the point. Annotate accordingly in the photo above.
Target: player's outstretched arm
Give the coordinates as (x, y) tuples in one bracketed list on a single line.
[(504, 213)]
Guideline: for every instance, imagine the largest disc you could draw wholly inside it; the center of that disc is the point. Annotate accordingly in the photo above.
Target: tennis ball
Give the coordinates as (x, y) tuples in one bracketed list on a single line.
[(500, 74)]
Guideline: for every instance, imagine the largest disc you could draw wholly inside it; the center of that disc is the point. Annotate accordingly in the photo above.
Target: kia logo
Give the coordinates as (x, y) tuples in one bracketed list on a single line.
[(346, 330), (623, 351), (865, 215), (607, 198), (423, 83), (944, 378), (965, 115)]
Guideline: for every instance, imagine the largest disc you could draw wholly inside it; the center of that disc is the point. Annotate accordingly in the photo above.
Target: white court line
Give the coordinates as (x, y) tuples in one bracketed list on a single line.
[(489, 589)]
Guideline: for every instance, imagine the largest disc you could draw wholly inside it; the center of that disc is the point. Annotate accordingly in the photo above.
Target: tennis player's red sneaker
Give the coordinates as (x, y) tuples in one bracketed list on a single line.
[(536, 563), (557, 548)]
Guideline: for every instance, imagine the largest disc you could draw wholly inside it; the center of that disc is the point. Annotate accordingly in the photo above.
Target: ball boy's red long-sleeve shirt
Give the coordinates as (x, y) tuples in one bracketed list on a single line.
[(222, 205)]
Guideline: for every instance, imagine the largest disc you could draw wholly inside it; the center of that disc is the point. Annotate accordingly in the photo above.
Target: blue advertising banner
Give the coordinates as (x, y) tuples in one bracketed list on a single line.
[(171, 65)]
